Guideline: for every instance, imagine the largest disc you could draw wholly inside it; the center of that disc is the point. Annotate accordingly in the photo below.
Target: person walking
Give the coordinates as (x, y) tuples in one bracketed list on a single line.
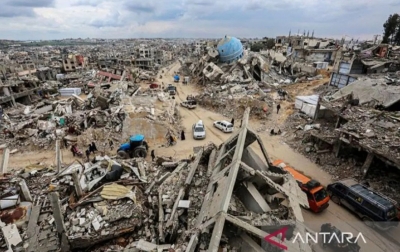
[(91, 148), (94, 147), (233, 121), (73, 150), (278, 107), (153, 156), (171, 140), (88, 154), (111, 143), (183, 135), (65, 143)]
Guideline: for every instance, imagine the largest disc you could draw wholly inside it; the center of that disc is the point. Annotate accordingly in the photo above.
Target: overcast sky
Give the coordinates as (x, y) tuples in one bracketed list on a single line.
[(57, 19)]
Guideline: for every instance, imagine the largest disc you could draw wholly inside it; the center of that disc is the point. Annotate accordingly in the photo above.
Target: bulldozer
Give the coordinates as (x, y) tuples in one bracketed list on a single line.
[(136, 147)]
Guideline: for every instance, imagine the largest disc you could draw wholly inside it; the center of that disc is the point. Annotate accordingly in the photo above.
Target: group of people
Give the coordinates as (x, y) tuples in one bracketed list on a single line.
[(172, 138), (76, 152)]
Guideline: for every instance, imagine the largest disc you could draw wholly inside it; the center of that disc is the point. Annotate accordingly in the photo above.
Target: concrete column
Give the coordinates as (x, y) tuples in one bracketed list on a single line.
[(25, 191), (367, 164), (339, 144), (252, 199), (4, 161), (58, 156), (77, 185), (13, 101), (337, 122), (57, 213), (317, 108), (6, 91)]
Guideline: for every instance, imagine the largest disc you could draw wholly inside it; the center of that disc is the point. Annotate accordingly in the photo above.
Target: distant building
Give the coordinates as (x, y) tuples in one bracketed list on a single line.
[(73, 62)]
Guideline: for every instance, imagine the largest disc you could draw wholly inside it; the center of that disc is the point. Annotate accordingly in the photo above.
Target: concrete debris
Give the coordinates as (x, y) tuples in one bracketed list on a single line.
[(164, 211), (224, 198), (246, 79), (352, 130)]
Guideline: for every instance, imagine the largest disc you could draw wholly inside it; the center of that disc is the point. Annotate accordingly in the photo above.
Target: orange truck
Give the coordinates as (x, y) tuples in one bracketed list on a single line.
[(318, 198)]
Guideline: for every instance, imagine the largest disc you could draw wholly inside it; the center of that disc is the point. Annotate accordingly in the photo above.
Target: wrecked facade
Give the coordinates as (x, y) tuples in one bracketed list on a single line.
[(359, 122)]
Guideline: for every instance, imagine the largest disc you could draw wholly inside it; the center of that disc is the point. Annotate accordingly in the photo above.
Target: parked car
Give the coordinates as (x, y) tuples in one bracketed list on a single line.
[(191, 104), (171, 89), (375, 209), (199, 130), (224, 126)]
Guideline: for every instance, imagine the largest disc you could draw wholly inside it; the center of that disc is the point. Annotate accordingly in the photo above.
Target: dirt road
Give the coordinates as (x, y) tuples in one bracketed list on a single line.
[(276, 148)]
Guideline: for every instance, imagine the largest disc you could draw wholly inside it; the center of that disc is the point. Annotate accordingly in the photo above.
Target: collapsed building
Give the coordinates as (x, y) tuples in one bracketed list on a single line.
[(41, 123), (359, 121), (228, 72), (230, 64), (378, 134), (224, 198)]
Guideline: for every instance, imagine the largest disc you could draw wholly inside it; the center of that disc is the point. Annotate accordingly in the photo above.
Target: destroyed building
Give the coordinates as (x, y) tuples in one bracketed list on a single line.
[(353, 65), (225, 198), (17, 91), (229, 72), (73, 62), (358, 122)]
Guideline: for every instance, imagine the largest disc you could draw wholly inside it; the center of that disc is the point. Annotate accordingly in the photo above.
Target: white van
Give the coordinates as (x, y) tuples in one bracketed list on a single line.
[(199, 130), (225, 126)]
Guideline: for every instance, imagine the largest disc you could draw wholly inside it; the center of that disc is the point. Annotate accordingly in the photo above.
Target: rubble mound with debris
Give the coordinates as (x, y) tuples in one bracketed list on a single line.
[(228, 108)]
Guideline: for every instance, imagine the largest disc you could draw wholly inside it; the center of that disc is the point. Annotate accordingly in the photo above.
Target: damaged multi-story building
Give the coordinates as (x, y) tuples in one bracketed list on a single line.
[(18, 91), (354, 64), (304, 48), (74, 62)]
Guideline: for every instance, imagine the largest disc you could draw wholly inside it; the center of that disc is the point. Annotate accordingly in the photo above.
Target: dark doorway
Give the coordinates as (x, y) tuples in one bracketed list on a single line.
[(257, 73)]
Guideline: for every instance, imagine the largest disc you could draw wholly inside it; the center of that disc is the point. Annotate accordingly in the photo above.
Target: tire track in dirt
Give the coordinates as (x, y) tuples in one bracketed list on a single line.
[(193, 113)]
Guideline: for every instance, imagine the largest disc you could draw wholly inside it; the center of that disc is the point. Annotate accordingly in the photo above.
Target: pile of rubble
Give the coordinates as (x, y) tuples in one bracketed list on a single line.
[(247, 80), (319, 140), (40, 124), (269, 67), (220, 99), (127, 205)]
